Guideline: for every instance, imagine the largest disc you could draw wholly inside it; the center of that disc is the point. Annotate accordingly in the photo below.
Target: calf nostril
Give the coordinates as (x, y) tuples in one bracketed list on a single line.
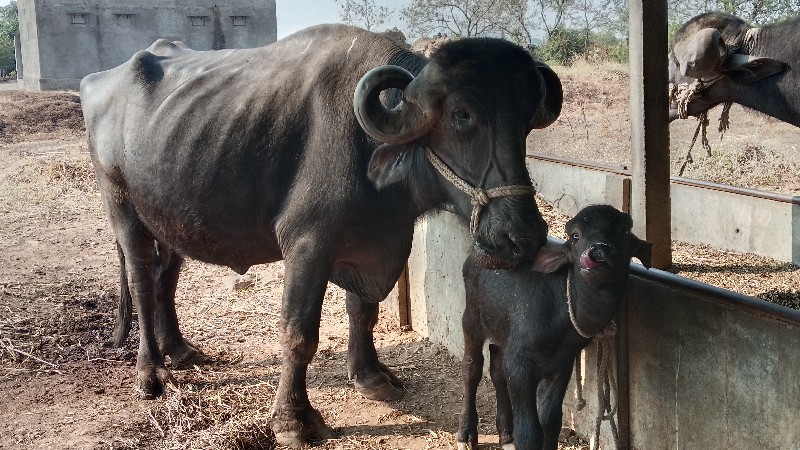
[(600, 252)]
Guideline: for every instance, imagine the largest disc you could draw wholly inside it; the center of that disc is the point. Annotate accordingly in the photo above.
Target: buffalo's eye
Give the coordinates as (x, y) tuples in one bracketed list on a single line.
[(461, 118), (575, 237)]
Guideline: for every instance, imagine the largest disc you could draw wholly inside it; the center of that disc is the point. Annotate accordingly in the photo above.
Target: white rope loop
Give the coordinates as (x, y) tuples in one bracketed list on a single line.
[(479, 197)]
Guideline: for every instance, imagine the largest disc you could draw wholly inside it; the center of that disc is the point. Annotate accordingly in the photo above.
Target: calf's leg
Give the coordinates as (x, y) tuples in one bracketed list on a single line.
[(471, 371), (522, 379), (550, 398), (504, 419), (372, 378)]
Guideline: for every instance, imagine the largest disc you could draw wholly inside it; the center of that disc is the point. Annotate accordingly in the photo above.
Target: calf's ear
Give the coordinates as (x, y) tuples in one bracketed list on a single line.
[(642, 250), (390, 164), (551, 258)]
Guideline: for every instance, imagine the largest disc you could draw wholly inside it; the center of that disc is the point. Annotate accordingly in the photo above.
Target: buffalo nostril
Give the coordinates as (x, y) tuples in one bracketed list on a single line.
[(520, 245)]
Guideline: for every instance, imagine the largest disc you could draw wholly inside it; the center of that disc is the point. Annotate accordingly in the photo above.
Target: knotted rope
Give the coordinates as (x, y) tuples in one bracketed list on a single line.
[(606, 382), (480, 197), (684, 93)]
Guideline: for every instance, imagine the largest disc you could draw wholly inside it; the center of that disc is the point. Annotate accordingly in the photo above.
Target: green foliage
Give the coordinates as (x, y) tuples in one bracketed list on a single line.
[(9, 22), (562, 47), (9, 25), (7, 60)]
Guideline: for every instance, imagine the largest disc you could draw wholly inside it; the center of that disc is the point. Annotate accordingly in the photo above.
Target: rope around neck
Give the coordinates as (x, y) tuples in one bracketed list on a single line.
[(480, 197), (606, 383), (684, 93)]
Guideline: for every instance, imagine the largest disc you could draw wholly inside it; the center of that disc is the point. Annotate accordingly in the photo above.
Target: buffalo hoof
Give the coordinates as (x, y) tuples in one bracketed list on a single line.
[(382, 385), (295, 427), (185, 354), (151, 382)]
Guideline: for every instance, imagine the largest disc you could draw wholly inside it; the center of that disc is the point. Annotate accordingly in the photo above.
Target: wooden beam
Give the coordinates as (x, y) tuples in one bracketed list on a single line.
[(649, 106)]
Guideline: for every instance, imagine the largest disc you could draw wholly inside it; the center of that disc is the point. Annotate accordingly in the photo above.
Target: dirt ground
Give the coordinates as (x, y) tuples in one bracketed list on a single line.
[(63, 387)]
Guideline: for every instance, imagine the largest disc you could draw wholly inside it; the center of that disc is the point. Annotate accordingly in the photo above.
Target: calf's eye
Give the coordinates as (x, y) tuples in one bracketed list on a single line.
[(575, 237)]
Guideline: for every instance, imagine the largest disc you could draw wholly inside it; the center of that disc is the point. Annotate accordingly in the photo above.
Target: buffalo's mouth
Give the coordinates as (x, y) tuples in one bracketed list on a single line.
[(595, 267), (496, 259)]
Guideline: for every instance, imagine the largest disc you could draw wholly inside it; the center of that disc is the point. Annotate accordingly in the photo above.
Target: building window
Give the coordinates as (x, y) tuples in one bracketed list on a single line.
[(124, 20), (239, 21), (78, 18), (198, 21)]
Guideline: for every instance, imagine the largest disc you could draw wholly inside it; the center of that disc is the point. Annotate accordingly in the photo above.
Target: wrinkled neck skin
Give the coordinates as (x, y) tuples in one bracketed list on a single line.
[(777, 95), (596, 306), (422, 190)]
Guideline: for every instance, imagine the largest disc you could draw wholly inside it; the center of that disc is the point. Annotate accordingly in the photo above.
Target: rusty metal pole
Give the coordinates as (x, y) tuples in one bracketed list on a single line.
[(649, 106)]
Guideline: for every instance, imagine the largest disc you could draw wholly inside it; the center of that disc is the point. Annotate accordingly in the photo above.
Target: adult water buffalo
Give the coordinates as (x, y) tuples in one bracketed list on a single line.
[(737, 63), (241, 157)]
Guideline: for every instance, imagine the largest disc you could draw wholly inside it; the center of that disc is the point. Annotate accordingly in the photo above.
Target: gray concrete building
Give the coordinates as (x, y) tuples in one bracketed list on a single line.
[(64, 40)]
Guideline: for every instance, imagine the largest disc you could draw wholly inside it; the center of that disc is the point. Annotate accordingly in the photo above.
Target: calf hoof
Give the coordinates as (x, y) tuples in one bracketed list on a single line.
[(185, 354), (151, 382), (295, 427)]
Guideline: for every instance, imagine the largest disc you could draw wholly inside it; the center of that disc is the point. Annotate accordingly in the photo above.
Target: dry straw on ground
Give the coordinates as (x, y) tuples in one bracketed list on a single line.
[(58, 287)]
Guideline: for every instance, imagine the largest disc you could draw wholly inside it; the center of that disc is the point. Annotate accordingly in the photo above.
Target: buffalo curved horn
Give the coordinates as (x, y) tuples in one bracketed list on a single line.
[(402, 124), (550, 109), (703, 53)]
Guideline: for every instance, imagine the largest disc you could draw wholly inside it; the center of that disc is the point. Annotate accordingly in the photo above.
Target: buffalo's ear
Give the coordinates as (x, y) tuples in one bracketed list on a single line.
[(551, 258), (746, 69), (390, 164), (642, 250), (553, 98)]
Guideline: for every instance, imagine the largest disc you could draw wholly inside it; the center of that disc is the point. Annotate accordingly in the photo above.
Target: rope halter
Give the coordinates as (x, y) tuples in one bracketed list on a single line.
[(480, 197)]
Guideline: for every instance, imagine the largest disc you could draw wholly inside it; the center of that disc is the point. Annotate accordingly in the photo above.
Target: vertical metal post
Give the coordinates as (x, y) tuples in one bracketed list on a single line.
[(650, 202)]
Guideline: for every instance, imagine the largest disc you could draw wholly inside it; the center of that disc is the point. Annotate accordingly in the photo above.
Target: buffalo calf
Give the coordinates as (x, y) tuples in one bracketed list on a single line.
[(525, 315)]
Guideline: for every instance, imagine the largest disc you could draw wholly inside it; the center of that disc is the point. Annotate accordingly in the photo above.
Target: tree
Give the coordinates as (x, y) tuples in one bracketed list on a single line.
[(756, 12), (364, 13), (9, 24), (457, 18)]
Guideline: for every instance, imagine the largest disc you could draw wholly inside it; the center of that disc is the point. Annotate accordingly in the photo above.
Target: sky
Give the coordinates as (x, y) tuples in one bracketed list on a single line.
[(294, 15)]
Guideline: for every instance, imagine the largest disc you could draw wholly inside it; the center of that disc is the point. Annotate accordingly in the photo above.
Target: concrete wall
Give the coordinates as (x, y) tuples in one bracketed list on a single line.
[(709, 368), (64, 40), (721, 216), (699, 367), (436, 286), (570, 185)]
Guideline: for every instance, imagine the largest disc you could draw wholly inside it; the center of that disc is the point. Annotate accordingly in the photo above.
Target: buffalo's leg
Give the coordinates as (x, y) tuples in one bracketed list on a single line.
[(122, 324), (471, 372), (294, 420), (170, 340), (550, 398), (504, 419), (522, 382), (137, 246), (372, 378)]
